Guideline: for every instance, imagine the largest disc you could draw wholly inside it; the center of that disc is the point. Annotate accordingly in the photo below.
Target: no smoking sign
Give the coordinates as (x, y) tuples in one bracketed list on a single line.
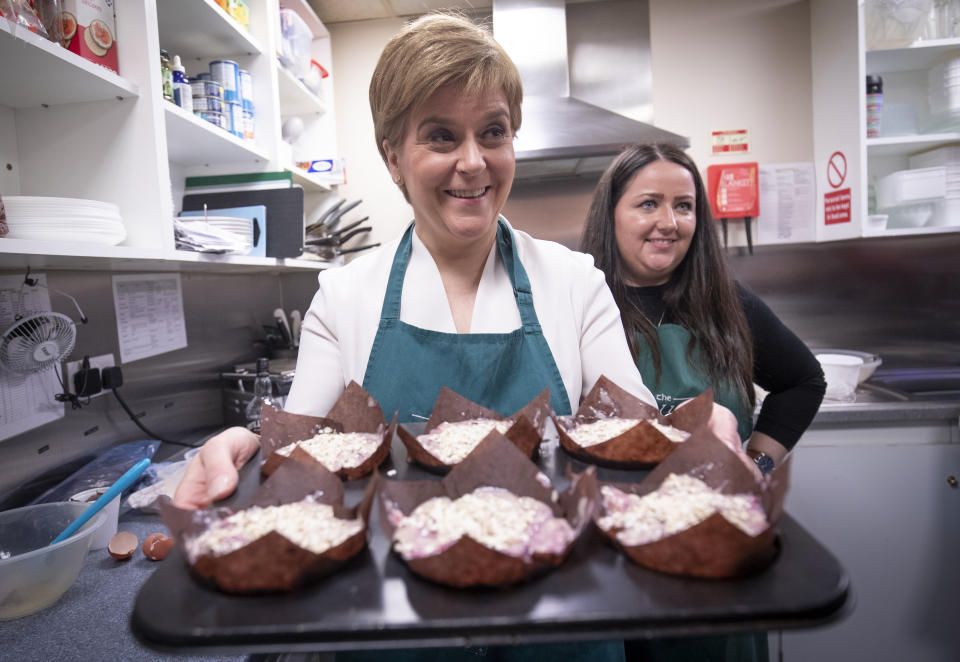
[(836, 169), (836, 204)]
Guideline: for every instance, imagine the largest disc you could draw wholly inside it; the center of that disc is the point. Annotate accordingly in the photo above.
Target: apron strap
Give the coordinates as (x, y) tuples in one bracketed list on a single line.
[(518, 278), (391, 298)]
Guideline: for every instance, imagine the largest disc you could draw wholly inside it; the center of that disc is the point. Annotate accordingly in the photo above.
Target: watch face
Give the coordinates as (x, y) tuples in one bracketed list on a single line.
[(764, 463)]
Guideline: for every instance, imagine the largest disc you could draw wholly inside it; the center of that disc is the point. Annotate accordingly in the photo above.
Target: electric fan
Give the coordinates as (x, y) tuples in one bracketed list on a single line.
[(37, 342)]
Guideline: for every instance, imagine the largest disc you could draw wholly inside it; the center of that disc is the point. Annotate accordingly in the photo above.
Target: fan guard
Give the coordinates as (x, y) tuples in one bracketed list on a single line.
[(37, 342)]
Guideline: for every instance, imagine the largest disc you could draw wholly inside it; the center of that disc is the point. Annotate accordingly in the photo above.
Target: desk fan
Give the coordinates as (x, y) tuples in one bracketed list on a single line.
[(37, 342)]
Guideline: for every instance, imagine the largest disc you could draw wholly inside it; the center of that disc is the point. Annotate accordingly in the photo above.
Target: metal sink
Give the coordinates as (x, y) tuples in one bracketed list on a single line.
[(919, 384)]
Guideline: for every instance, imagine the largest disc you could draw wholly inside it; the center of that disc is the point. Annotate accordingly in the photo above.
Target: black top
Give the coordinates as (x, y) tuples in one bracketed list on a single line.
[(782, 365)]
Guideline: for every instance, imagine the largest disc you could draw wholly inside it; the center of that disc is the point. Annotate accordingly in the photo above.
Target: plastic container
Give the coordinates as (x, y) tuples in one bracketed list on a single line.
[(111, 513), (842, 373), (37, 573), (876, 224), (227, 73), (911, 216), (894, 23), (907, 187), (295, 42), (874, 105)]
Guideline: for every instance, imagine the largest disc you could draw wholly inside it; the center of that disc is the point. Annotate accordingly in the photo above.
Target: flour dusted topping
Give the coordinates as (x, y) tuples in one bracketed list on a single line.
[(452, 441), (309, 525), (681, 502), (605, 429), (337, 450), (492, 516), (675, 435)]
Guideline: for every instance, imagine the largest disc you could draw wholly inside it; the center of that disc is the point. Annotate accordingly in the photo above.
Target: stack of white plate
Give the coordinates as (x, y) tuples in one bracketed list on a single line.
[(63, 219)]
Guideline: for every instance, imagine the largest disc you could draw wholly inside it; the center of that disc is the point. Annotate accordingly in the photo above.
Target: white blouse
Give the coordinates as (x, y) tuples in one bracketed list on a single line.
[(579, 318)]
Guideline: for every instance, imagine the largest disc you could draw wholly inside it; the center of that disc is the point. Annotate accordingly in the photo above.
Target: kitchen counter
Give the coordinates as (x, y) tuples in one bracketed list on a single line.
[(91, 621)]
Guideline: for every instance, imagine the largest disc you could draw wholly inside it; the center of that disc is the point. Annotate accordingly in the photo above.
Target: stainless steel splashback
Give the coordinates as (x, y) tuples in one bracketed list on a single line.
[(178, 391)]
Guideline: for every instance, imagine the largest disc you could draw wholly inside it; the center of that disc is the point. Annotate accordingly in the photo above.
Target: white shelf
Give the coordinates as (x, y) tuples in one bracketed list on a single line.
[(201, 29), (20, 253), (36, 72), (309, 181), (295, 97), (194, 141), (903, 145), (305, 11), (909, 232), (919, 55)]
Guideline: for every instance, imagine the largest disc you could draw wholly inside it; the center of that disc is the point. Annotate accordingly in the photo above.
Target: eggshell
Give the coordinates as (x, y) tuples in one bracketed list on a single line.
[(157, 546), (122, 544)]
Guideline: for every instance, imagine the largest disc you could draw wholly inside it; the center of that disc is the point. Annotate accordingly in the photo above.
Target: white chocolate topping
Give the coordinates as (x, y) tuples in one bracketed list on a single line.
[(681, 502)]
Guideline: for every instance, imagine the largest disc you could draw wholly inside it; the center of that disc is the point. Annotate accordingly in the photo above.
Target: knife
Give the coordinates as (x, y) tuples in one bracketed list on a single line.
[(284, 326)]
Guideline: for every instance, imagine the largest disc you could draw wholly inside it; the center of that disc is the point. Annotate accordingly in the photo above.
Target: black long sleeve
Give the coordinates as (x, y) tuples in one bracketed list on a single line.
[(785, 367)]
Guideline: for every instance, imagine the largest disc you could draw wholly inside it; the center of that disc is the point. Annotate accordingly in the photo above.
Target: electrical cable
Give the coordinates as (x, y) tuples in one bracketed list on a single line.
[(135, 419)]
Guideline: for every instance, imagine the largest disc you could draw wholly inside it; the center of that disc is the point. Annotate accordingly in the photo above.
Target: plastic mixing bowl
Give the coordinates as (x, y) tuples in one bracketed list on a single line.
[(34, 573)]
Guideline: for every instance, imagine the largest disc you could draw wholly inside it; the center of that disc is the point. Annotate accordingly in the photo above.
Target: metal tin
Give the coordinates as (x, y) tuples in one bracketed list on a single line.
[(248, 124), (235, 113), (217, 119), (226, 72), (206, 88), (213, 104), (246, 89)]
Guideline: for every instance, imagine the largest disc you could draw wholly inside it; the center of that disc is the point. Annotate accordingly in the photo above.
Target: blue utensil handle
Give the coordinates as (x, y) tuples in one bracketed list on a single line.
[(122, 483)]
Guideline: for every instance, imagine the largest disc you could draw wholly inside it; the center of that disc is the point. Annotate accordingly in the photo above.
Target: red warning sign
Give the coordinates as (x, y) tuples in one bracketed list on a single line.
[(836, 207), (836, 169)]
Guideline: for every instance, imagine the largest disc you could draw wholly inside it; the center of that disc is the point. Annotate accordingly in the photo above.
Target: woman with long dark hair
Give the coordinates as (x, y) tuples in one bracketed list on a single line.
[(690, 327), (689, 324)]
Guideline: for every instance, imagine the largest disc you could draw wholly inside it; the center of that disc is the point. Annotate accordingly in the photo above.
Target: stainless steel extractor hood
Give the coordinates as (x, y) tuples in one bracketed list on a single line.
[(562, 135)]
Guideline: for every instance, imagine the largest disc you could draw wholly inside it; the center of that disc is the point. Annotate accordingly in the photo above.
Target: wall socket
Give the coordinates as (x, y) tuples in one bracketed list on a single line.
[(101, 362)]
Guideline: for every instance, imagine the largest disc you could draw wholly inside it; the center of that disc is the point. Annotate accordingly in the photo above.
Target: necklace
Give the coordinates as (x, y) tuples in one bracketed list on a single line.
[(662, 315)]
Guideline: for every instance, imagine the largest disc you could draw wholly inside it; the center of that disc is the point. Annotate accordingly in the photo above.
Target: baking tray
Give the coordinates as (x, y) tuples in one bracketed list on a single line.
[(374, 602)]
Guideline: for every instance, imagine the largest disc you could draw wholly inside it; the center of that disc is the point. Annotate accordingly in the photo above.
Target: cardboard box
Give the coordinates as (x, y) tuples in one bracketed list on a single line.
[(90, 31)]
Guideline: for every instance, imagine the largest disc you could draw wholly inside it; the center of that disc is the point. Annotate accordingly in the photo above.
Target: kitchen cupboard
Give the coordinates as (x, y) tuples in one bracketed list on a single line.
[(70, 128), (841, 62), (882, 500)]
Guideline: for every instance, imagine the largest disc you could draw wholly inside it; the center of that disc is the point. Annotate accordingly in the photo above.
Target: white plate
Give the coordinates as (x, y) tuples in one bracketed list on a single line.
[(37, 200)]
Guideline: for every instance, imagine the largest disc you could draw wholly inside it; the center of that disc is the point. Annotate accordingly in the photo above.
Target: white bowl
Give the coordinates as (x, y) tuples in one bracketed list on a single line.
[(870, 361), (841, 372)]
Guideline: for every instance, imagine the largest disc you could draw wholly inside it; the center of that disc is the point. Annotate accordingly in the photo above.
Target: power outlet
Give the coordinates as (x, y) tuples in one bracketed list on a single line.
[(101, 362)]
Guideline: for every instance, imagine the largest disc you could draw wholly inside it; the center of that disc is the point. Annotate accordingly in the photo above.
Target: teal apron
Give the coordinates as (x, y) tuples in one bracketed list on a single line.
[(502, 371), (679, 381)]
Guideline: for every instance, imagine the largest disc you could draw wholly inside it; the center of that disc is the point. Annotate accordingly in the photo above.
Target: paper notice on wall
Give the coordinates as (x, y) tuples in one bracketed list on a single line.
[(26, 400), (149, 311), (787, 199)]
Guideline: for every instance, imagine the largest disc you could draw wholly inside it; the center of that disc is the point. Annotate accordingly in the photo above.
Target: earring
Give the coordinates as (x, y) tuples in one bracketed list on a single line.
[(397, 180)]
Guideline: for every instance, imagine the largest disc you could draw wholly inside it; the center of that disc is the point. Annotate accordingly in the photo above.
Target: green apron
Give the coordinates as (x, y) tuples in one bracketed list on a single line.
[(679, 381), (501, 371)]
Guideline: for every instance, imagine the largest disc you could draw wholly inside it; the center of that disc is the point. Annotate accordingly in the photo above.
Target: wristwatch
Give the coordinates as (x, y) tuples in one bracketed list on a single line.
[(764, 462)]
